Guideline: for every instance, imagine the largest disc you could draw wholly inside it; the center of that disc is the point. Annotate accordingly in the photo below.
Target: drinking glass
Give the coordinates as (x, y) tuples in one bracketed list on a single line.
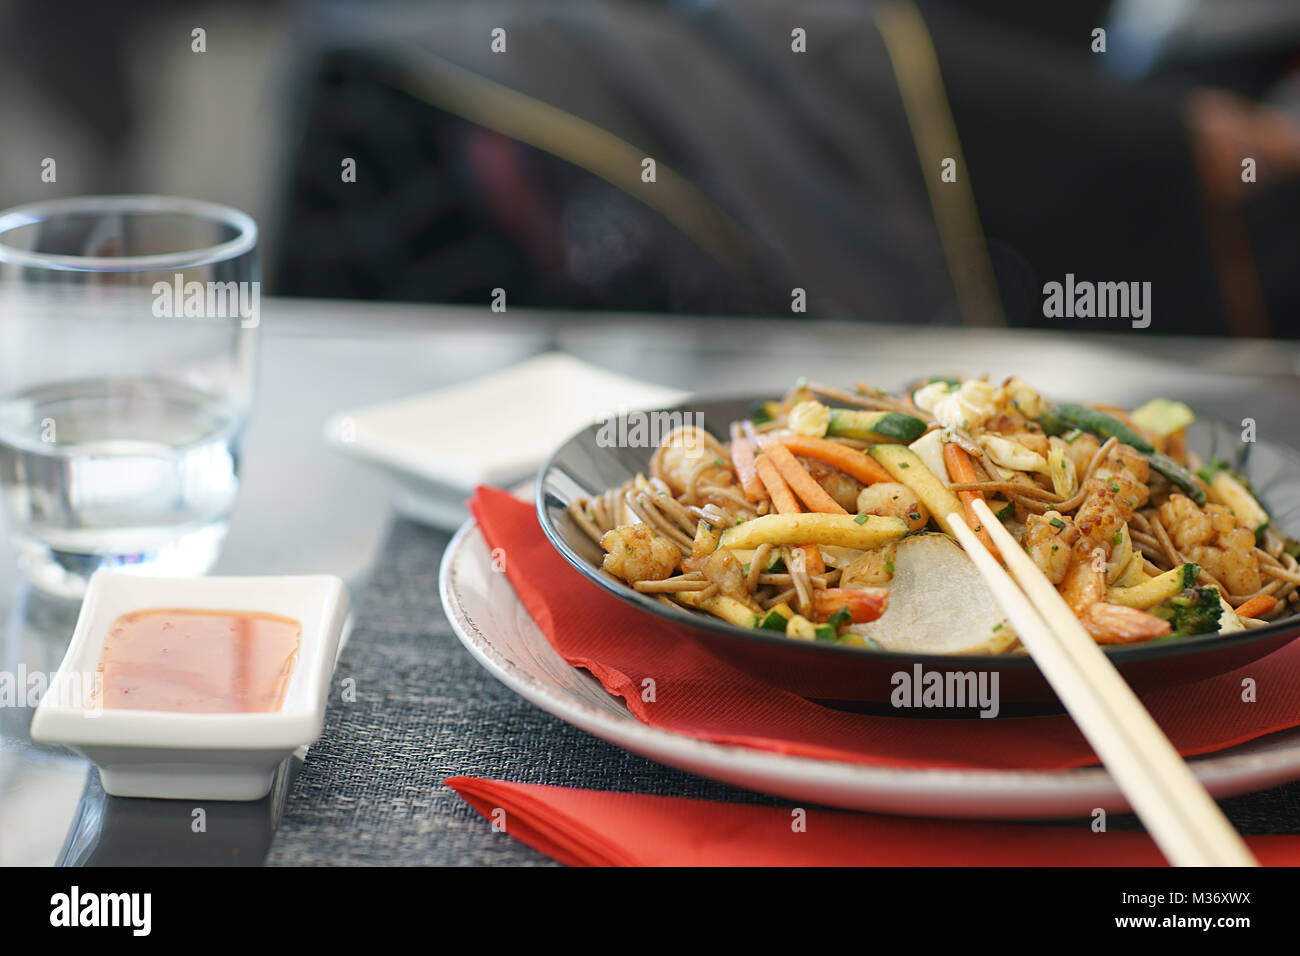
[(128, 330)]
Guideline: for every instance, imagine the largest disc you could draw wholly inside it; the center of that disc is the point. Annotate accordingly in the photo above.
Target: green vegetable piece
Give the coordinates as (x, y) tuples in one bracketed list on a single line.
[(1194, 611), (760, 413), (840, 619), (773, 622), (874, 426)]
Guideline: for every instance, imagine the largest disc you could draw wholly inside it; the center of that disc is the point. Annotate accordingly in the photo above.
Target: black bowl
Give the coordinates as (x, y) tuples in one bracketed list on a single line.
[(861, 678)]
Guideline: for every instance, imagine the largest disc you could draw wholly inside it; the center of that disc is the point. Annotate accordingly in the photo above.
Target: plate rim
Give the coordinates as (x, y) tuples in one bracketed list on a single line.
[(1225, 773)]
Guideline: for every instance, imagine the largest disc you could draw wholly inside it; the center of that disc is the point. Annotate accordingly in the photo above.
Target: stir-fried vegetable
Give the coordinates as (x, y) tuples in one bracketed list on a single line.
[(960, 469), (852, 462), (1154, 590), (817, 420), (849, 531), (1194, 611), (801, 483)]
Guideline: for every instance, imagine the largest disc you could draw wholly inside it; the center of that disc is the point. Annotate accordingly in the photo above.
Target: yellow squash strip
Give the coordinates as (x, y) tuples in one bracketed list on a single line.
[(1151, 592), (729, 609), (845, 531)]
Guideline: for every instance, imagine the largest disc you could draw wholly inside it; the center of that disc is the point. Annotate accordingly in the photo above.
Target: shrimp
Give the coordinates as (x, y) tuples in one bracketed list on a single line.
[(635, 553), (724, 569), (1115, 491), (685, 451), (1080, 450), (1049, 539), (1211, 537), (889, 499)]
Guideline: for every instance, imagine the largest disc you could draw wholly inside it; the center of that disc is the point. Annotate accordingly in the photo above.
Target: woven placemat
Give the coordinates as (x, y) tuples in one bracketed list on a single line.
[(371, 789), (371, 793)]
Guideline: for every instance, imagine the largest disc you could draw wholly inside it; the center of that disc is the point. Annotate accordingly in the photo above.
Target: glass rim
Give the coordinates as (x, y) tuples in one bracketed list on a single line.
[(41, 210)]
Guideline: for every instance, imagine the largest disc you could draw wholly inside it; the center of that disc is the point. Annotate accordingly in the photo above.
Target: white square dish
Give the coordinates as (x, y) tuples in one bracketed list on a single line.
[(189, 756), (439, 445)]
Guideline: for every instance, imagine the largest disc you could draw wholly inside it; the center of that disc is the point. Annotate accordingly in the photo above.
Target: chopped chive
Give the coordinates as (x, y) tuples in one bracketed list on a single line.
[(1057, 523), (860, 519)]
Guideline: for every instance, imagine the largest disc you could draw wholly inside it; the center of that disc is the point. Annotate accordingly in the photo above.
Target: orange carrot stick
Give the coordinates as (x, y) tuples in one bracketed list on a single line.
[(782, 498), (801, 483), (784, 501), (960, 469), (1257, 606), (851, 461), (742, 458)]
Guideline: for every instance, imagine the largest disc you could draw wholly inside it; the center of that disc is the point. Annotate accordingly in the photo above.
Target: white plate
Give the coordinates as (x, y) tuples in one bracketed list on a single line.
[(436, 444), (492, 623)]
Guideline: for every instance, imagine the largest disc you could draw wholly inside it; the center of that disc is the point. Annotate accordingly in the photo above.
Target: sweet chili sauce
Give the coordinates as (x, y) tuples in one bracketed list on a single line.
[(198, 662)]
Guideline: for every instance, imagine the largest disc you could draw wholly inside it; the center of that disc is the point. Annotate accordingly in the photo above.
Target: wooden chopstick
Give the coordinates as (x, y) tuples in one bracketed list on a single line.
[(1183, 820)]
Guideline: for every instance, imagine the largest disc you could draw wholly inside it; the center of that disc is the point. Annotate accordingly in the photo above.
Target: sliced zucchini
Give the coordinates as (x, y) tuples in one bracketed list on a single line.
[(1155, 590)]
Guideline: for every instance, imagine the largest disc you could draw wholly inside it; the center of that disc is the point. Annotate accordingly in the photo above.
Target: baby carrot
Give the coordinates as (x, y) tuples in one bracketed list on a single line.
[(960, 469), (848, 460), (782, 498), (742, 458), (801, 483), (1257, 606)]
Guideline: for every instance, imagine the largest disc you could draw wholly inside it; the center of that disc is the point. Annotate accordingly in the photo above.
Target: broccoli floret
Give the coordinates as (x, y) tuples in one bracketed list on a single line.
[(1195, 611)]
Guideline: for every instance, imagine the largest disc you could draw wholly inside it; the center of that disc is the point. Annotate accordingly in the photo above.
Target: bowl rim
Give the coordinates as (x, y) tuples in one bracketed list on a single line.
[(1121, 654)]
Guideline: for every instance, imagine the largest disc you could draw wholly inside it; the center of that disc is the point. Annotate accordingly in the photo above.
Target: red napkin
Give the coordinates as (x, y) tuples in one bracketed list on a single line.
[(700, 696), (597, 828)]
